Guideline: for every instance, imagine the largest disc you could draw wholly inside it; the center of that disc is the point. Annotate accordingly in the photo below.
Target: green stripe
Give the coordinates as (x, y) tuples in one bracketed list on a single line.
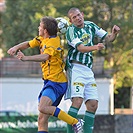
[(72, 109), (92, 115)]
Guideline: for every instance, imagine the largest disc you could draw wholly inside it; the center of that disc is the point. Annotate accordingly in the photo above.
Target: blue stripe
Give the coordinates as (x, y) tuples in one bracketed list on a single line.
[(52, 36), (56, 112)]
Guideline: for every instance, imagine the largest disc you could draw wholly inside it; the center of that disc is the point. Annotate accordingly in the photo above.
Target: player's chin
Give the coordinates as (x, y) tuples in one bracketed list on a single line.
[(40, 34), (80, 23)]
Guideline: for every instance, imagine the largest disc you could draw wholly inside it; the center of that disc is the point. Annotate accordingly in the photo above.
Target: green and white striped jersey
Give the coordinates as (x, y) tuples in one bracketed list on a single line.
[(76, 36)]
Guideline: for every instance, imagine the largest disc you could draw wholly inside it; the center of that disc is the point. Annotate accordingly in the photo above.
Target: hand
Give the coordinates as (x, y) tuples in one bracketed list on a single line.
[(12, 51), (20, 55), (115, 29), (100, 46)]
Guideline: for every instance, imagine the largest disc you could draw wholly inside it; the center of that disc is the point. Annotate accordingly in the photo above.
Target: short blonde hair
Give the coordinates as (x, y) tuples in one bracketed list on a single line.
[(71, 10)]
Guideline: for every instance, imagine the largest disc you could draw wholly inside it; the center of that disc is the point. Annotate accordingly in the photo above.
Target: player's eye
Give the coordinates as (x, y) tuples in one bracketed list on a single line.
[(74, 17), (79, 14)]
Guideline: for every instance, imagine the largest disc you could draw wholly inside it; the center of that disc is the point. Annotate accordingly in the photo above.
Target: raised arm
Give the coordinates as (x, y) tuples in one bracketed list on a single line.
[(111, 37)]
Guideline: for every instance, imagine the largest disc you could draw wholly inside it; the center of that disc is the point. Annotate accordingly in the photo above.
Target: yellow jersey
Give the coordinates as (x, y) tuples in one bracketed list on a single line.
[(53, 68)]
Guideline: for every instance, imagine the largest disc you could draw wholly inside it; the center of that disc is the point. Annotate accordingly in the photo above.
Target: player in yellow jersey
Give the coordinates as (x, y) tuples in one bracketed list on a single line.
[(52, 64)]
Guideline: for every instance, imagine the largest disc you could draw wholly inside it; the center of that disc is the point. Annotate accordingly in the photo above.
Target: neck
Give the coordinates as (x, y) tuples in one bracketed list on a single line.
[(46, 36), (80, 26)]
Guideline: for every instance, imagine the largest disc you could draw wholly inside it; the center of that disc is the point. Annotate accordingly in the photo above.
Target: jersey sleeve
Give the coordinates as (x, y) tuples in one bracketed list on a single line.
[(35, 42), (99, 32), (72, 38)]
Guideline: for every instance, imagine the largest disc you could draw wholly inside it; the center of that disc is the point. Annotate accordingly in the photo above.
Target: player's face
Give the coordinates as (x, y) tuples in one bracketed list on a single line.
[(77, 18), (41, 29)]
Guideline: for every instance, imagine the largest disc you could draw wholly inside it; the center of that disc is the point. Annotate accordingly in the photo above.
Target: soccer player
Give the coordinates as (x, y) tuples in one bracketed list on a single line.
[(52, 64), (81, 82)]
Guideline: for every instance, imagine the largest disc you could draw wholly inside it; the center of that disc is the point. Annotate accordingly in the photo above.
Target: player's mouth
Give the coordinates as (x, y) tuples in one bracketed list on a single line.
[(79, 22)]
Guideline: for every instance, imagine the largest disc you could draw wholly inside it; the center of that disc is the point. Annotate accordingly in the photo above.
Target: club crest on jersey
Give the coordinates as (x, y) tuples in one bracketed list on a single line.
[(85, 38)]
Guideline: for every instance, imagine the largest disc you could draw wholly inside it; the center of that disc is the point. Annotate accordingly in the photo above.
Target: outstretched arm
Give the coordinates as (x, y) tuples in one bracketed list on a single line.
[(21, 46), (35, 58)]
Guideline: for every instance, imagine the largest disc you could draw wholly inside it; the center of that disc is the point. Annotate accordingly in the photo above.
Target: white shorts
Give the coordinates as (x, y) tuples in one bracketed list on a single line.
[(81, 83)]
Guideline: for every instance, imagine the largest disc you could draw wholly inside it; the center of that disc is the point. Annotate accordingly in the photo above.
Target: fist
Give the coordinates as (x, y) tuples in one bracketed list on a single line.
[(12, 51), (115, 29), (100, 46)]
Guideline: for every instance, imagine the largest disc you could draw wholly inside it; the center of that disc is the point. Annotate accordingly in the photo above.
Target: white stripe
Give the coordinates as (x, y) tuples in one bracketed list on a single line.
[(100, 33), (90, 115)]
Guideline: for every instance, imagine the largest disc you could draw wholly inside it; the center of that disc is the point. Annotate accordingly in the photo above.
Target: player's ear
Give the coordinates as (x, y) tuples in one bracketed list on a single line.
[(82, 14), (45, 31), (70, 20)]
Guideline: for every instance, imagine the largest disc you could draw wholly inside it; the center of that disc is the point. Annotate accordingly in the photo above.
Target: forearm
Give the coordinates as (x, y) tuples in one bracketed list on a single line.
[(110, 38), (86, 49), (22, 46), (36, 58)]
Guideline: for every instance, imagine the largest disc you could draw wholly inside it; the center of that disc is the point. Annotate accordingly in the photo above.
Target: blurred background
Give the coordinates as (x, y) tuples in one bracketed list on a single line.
[(20, 82)]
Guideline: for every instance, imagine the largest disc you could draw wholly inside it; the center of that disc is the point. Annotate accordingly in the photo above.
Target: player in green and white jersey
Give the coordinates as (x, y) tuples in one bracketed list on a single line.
[(82, 84), (85, 36)]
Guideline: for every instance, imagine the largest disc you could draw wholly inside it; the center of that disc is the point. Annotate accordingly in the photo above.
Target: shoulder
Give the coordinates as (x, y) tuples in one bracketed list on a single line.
[(52, 42), (71, 27), (36, 41), (55, 39), (90, 23), (39, 38)]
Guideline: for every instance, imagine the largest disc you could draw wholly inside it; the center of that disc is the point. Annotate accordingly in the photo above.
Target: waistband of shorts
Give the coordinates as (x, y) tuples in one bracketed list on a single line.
[(77, 62)]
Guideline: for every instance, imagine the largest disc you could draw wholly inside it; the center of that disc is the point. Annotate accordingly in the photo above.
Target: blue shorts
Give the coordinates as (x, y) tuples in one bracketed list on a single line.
[(54, 91)]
